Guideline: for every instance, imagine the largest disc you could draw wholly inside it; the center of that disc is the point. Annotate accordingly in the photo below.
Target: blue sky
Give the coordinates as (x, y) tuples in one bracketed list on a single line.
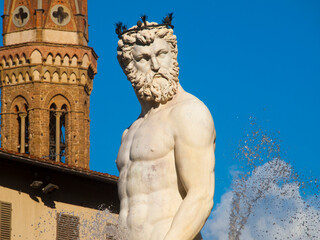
[(241, 58)]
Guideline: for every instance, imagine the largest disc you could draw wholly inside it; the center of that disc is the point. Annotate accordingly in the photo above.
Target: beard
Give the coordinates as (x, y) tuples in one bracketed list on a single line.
[(159, 87)]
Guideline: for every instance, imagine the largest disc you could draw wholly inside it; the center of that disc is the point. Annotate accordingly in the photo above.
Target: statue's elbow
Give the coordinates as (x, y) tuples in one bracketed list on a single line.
[(207, 202)]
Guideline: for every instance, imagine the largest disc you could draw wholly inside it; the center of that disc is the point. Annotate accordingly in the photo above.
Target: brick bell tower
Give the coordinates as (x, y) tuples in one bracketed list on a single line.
[(47, 73)]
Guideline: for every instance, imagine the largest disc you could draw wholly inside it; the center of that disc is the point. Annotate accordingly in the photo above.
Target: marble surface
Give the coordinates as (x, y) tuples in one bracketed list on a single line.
[(166, 158)]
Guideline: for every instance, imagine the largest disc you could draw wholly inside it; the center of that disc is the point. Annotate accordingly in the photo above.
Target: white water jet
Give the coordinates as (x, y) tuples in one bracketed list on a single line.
[(269, 200)]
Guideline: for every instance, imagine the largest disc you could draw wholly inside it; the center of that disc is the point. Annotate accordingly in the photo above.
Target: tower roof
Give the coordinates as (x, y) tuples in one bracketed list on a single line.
[(56, 166)]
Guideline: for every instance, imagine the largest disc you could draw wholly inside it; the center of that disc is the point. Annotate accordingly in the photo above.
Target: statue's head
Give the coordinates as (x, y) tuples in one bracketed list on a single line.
[(149, 59)]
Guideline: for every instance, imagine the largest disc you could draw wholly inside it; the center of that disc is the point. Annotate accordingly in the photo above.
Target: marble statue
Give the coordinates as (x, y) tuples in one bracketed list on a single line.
[(166, 158)]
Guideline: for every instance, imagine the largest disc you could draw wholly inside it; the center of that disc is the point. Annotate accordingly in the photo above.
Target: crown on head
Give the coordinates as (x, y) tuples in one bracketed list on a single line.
[(122, 29)]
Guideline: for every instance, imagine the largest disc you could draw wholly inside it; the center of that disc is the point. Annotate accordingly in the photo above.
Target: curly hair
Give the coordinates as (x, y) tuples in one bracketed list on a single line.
[(144, 37), (125, 58)]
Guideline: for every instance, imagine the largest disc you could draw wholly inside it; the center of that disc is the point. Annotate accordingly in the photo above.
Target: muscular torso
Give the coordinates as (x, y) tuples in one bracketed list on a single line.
[(149, 188), (155, 157)]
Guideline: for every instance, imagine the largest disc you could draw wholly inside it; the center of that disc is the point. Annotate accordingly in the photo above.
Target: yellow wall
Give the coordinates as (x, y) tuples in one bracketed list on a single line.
[(33, 220)]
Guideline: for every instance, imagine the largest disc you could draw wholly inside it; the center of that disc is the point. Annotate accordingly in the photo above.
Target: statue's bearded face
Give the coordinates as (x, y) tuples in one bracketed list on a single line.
[(149, 59), (155, 79)]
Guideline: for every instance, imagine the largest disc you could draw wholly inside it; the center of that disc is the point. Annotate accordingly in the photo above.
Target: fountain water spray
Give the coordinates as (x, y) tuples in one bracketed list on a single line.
[(268, 186)]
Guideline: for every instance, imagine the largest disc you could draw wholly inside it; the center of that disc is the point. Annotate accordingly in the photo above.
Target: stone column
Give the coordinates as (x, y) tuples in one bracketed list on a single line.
[(23, 116), (58, 115)]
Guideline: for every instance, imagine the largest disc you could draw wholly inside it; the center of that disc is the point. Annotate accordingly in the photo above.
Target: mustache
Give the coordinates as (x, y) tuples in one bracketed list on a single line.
[(143, 79), (162, 75)]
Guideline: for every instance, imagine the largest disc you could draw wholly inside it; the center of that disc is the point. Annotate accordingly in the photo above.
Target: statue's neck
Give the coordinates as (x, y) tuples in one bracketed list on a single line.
[(148, 107)]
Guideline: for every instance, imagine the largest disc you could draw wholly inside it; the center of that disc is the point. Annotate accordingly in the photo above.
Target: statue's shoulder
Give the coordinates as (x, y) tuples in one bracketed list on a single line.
[(192, 121), (124, 134), (190, 111), (190, 104)]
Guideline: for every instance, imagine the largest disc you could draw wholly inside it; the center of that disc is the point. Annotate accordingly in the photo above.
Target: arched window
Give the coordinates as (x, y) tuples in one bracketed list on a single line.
[(23, 121), (52, 132), (57, 131), (21, 126), (64, 110)]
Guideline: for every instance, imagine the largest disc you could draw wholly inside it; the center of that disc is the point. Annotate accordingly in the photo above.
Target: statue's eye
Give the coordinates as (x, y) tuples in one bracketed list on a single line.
[(143, 58), (162, 53)]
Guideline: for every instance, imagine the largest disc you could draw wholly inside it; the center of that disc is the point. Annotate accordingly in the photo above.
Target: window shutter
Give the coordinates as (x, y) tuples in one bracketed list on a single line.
[(67, 227), (5, 221)]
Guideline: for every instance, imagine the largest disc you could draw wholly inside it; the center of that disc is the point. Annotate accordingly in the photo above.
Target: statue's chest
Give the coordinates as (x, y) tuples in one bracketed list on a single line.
[(151, 139)]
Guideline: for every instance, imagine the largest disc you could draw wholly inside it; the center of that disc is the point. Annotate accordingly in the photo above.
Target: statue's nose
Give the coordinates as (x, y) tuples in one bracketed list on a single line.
[(155, 66)]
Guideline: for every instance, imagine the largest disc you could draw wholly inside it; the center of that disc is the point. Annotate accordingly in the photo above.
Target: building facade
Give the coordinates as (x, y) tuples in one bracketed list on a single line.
[(47, 190), (42, 199)]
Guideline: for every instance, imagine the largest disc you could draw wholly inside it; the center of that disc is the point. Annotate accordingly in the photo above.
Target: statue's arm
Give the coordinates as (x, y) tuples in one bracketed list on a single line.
[(195, 161)]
